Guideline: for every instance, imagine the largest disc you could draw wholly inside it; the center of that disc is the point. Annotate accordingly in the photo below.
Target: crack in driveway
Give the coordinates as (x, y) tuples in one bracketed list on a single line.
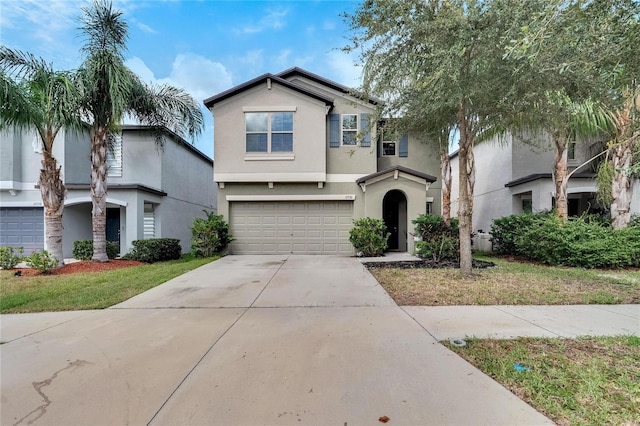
[(42, 409)]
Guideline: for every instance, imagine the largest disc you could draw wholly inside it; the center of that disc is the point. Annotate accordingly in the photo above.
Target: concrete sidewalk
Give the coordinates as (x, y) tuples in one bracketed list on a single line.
[(250, 340)]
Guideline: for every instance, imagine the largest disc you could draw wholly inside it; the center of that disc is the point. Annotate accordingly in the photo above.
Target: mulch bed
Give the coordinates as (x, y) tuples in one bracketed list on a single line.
[(425, 264), (83, 266)]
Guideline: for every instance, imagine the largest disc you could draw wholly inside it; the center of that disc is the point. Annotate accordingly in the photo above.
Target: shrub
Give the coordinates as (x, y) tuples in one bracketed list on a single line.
[(579, 242), (369, 236), (439, 241), (209, 236), (8, 258), (42, 261), (505, 230), (155, 250), (83, 249)]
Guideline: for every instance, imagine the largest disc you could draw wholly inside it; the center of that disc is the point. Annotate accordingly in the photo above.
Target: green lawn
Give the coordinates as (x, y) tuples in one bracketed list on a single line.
[(96, 290), (510, 283), (583, 381)]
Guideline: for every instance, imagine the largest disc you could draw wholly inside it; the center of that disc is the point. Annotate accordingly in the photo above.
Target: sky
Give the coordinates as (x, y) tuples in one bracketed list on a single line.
[(201, 46)]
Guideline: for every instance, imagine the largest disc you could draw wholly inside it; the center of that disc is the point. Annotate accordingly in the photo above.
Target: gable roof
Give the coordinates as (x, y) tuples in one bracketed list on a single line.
[(324, 81), (209, 102), (179, 140), (402, 169)]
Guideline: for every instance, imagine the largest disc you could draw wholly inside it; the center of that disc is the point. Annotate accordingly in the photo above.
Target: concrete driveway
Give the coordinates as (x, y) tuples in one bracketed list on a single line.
[(245, 340)]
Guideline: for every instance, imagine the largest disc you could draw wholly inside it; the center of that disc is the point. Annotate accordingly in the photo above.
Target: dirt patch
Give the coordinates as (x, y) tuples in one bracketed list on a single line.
[(82, 267), (422, 264)]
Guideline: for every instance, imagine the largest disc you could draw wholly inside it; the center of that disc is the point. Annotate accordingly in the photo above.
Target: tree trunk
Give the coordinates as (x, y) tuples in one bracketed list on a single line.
[(621, 186), (445, 174), (467, 181), (53, 192), (560, 175), (99, 193)]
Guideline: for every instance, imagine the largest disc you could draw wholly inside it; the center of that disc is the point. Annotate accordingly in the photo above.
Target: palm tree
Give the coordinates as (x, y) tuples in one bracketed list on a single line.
[(33, 96), (109, 91)]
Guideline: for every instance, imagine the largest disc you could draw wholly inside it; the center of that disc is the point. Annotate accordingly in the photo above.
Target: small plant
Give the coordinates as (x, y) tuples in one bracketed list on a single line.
[(9, 258), (210, 235), (41, 261), (83, 249), (369, 236), (438, 241)]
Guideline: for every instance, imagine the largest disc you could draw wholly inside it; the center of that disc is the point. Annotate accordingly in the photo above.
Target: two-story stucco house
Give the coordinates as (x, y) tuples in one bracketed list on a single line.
[(152, 192), (514, 177), (298, 158)]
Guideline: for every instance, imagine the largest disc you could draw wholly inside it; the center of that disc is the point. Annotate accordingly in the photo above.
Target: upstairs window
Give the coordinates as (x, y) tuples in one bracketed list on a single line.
[(114, 155), (571, 151), (269, 131), (349, 129), (389, 143)]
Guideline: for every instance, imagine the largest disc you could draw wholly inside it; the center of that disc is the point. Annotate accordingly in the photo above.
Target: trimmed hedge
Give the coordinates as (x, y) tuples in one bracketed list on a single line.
[(580, 242), (155, 250), (83, 249)]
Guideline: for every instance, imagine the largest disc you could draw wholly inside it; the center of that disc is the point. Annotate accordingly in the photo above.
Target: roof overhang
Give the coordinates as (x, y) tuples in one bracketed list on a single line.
[(396, 173), (267, 79)]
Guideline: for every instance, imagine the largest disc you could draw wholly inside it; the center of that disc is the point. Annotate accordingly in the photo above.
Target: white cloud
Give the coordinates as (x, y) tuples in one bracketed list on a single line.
[(197, 75), (329, 25), (273, 19), (342, 65), (142, 26)]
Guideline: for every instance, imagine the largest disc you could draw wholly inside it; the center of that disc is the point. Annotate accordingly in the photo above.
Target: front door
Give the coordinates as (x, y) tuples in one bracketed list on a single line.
[(394, 214), (113, 224)]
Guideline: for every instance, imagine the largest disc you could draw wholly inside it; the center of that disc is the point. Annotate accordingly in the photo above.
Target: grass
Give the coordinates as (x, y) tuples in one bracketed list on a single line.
[(587, 380), (95, 290), (511, 283)]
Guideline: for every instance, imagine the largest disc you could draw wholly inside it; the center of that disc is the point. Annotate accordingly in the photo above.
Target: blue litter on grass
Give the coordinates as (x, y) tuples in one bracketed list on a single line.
[(519, 367)]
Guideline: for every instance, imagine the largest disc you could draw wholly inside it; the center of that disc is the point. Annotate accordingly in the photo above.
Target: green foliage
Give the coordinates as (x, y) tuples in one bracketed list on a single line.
[(42, 261), (635, 221), (604, 181), (155, 250), (506, 230), (9, 258), (439, 241), (209, 236), (369, 236), (83, 249), (578, 242)]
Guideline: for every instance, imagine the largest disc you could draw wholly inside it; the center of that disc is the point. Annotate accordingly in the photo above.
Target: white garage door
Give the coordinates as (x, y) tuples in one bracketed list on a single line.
[(22, 227), (309, 227)]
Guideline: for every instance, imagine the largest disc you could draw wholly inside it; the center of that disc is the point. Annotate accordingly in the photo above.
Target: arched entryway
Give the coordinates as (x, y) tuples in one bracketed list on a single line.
[(394, 214)]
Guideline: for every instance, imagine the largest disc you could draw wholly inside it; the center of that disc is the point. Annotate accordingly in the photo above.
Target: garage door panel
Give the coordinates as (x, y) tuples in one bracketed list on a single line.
[(291, 227), (22, 227)]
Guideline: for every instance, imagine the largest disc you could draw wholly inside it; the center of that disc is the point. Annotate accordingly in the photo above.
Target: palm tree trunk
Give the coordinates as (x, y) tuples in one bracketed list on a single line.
[(621, 186), (99, 193), (467, 181), (445, 174), (560, 175), (53, 192)]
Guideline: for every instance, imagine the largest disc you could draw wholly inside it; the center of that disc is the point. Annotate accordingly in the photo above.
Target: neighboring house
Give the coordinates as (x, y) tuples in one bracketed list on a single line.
[(297, 159), (514, 177), (152, 192)]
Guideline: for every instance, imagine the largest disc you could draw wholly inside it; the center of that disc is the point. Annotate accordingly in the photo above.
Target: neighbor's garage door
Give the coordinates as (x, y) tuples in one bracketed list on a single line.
[(22, 227), (308, 227)]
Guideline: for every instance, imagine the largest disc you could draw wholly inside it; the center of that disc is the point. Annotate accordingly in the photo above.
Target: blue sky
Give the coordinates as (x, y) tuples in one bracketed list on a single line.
[(202, 46)]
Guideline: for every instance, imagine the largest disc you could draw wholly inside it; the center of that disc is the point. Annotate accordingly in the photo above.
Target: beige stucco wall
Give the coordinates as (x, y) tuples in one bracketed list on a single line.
[(309, 129)]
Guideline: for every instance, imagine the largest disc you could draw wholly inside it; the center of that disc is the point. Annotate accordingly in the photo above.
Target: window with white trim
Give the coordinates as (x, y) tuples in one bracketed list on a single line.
[(269, 131), (571, 151), (389, 143), (349, 124)]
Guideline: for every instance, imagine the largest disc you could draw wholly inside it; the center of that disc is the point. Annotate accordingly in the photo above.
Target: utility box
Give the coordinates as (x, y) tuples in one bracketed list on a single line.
[(482, 242)]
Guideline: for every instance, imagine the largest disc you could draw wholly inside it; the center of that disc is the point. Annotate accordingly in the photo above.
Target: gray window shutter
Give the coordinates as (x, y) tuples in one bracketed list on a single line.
[(334, 130), (379, 145), (364, 126), (403, 150)]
